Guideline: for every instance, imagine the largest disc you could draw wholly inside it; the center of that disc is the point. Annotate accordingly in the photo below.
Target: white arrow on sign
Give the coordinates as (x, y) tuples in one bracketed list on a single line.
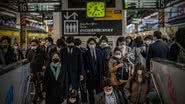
[(74, 14)]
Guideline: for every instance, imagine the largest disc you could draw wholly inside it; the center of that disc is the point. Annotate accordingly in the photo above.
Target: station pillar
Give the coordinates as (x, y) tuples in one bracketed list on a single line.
[(57, 29)]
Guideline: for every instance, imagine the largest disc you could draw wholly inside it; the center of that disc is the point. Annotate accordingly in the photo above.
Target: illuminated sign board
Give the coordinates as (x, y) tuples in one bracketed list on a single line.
[(143, 4), (39, 5), (76, 23)]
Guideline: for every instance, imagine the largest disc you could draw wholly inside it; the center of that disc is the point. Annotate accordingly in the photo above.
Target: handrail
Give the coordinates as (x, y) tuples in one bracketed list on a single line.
[(157, 89), (166, 76), (6, 69), (178, 65)]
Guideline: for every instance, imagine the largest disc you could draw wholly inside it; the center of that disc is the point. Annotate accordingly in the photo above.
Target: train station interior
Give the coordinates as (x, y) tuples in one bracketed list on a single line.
[(92, 51)]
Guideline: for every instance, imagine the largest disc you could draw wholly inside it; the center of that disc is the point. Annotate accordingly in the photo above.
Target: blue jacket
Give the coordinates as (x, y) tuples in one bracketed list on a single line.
[(159, 49)]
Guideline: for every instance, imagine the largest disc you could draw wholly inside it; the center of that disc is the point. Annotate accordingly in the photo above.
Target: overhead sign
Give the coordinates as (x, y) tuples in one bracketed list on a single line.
[(143, 4), (76, 23), (39, 6), (112, 14), (176, 14)]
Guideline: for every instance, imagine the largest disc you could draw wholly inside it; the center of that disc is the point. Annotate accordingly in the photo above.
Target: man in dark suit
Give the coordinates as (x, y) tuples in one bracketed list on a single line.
[(37, 59), (159, 49), (94, 67), (72, 60)]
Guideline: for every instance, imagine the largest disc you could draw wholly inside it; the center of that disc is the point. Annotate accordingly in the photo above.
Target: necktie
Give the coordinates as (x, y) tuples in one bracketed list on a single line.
[(93, 55)]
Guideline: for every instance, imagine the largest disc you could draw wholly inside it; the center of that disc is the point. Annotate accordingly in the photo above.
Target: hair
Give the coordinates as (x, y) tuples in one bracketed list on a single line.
[(129, 37), (6, 38), (139, 41), (49, 39), (104, 38), (107, 82), (158, 34), (55, 52), (77, 42), (138, 67), (70, 40), (60, 43), (120, 39), (180, 36), (149, 37), (98, 35), (36, 41), (91, 39)]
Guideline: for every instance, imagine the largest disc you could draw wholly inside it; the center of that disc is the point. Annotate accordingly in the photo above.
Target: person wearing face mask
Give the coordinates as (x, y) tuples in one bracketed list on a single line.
[(118, 68), (159, 49), (138, 51), (7, 53), (129, 41), (109, 94), (107, 51), (60, 44), (148, 40), (73, 63), (50, 47), (55, 81), (121, 43), (37, 58), (18, 51), (83, 88), (138, 86), (94, 68), (73, 97)]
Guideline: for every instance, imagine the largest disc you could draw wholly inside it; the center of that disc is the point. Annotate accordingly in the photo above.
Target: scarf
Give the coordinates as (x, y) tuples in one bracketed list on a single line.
[(110, 99), (56, 71)]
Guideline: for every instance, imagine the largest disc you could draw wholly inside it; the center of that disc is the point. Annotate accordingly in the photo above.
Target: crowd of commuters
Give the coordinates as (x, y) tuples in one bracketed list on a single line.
[(96, 73)]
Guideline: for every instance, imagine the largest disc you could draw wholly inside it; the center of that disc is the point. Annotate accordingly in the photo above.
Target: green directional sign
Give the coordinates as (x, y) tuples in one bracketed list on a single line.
[(40, 7)]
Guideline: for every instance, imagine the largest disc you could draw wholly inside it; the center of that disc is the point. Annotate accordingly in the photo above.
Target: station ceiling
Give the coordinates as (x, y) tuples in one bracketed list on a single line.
[(132, 12)]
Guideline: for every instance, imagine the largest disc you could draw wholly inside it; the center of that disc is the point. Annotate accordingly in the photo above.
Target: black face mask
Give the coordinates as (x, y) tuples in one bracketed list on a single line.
[(56, 60)]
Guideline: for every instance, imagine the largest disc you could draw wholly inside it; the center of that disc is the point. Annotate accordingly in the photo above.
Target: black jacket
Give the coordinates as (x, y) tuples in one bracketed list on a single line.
[(159, 49), (73, 64), (55, 89), (94, 71), (174, 51), (9, 57), (37, 59)]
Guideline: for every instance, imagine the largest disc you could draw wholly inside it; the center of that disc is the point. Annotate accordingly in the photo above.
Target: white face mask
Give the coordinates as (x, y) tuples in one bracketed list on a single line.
[(104, 44), (92, 46), (34, 47), (72, 100), (109, 92), (118, 56), (148, 42)]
